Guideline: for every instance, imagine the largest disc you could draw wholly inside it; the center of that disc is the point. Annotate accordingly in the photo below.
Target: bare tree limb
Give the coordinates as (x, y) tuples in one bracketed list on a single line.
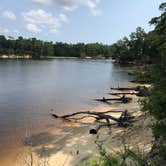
[(99, 115)]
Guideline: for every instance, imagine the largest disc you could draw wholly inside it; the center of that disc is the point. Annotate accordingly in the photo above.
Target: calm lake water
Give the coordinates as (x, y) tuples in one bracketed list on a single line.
[(30, 88)]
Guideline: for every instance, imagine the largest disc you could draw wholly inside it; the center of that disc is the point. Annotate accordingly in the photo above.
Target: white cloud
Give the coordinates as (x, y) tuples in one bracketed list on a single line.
[(43, 2), (33, 28), (9, 15), (39, 20), (93, 6), (70, 5), (4, 30)]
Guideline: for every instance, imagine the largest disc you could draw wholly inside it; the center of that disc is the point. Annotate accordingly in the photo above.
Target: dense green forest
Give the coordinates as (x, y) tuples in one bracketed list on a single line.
[(156, 102), (141, 47), (37, 48), (132, 49)]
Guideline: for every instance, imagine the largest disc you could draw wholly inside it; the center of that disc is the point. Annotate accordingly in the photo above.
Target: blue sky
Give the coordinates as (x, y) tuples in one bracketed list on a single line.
[(75, 21)]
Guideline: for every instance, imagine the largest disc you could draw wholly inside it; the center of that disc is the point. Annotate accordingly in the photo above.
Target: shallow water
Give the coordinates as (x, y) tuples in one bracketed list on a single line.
[(29, 89)]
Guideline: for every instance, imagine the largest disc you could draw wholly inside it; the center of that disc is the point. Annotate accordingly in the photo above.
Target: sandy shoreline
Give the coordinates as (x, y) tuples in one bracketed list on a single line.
[(30, 57), (72, 144)]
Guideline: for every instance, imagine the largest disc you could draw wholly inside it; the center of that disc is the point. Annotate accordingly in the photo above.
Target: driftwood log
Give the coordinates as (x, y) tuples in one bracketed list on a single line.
[(123, 99), (124, 120), (140, 90), (123, 93), (126, 88), (96, 115), (94, 128)]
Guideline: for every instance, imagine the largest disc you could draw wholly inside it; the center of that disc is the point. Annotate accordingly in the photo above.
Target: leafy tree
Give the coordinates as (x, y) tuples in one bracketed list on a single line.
[(38, 48)]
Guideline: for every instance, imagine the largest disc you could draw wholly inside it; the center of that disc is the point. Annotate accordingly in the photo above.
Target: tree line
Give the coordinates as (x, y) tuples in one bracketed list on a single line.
[(38, 48), (156, 102), (132, 49), (141, 47)]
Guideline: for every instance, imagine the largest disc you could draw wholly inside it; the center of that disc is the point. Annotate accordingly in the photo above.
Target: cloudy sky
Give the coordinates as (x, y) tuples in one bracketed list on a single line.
[(75, 21)]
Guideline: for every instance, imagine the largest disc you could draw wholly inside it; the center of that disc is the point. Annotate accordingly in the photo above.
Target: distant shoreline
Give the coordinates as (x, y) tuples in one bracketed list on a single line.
[(16, 57), (13, 57)]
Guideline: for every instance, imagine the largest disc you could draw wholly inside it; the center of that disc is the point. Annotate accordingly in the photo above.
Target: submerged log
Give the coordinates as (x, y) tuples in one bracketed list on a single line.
[(104, 101), (141, 90), (137, 88), (122, 99), (123, 93), (126, 88)]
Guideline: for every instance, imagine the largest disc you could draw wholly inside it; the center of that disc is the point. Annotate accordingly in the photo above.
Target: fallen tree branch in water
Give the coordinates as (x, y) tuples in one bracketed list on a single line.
[(140, 90), (124, 119), (123, 93), (123, 99)]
